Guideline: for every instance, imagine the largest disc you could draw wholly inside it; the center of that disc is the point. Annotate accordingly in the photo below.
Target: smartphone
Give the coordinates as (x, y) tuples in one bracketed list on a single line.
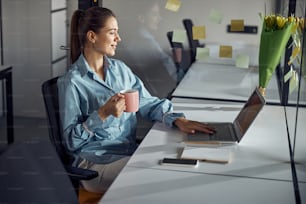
[(180, 162)]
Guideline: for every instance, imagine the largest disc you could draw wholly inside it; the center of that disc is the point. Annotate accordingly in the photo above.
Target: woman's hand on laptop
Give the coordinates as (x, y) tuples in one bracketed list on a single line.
[(190, 126)]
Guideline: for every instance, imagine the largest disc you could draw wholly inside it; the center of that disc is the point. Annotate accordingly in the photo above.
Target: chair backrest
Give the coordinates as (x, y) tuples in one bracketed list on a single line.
[(50, 95), (182, 59), (173, 44), (193, 44)]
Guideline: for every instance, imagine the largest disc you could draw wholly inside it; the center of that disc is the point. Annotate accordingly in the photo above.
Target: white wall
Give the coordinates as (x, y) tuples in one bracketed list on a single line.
[(26, 44), (31, 42)]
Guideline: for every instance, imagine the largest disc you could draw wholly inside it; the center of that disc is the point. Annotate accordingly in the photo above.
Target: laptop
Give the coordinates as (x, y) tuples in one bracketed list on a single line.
[(231, 132)]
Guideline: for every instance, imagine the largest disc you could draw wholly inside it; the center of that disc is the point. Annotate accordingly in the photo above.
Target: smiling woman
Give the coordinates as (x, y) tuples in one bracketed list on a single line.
[(97, 130)]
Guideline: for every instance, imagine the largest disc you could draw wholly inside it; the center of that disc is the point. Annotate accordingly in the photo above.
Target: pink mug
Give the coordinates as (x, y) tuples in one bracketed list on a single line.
[(131, 100)]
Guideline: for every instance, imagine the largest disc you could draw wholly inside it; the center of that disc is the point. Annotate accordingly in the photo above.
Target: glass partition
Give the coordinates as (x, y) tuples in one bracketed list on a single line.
[(143, 26), (299, 143), (295, 108)]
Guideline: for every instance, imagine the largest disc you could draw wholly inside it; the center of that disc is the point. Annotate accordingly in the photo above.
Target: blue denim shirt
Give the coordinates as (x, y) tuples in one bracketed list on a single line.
[(82, 92)]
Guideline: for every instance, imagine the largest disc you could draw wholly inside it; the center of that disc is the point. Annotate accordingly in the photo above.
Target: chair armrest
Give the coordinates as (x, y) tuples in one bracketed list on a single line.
[(81, 174)]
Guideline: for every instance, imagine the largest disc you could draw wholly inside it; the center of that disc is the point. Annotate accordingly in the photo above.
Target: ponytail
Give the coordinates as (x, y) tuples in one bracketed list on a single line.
[(75, 43)]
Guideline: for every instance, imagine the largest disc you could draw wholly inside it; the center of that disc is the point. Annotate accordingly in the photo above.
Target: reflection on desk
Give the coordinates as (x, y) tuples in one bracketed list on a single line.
[(139, 185), (226, 82), (302, 188)]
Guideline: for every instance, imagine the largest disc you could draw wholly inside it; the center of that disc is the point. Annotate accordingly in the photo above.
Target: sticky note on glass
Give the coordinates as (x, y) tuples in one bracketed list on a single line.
[(294, 54), (179, 36), (202, 53), (237, 25), (242, 61), (215, 16), (173, 5), (294, 82), (288, 75), (225, 51), (198, 32)]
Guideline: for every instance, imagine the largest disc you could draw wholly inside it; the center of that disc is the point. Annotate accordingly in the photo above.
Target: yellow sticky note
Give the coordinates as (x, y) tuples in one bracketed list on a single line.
[(294, 82), (179, 36), (173, 5), (215, 16), (225, 51), (242, 61), (202, 53), (198, 32), (237, 25), (296, 51)]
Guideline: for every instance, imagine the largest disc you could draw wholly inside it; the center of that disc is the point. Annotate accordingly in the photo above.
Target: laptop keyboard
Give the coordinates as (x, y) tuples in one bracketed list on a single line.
[(224, 133)]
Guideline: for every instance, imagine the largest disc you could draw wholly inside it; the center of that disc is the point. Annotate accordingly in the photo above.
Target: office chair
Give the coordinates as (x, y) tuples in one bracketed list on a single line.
[(50, 96), (181, 60), (193, 44)]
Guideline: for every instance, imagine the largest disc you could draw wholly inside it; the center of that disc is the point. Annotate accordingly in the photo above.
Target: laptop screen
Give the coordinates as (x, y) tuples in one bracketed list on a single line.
[(248, 113)]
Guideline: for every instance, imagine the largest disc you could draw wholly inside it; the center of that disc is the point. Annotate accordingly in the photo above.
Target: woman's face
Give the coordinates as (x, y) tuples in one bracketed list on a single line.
[(108, 38)]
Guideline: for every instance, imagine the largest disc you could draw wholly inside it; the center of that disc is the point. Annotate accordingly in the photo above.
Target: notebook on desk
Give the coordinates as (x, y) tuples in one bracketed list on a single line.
[(231, 132)]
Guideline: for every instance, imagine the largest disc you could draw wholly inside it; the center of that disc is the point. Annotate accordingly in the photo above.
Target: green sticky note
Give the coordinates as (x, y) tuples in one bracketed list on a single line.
[(215, 16), (242, 61), (202, 53), (179, 36), (173, 5), (288, 76)]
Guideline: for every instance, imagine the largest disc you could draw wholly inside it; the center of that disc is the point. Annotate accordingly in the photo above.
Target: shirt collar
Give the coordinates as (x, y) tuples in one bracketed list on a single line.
[(84, 67)]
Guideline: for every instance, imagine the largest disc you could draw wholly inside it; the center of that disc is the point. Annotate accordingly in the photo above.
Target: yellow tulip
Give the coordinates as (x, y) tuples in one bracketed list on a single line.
[(280, 21), (291, 19), (270, 21)]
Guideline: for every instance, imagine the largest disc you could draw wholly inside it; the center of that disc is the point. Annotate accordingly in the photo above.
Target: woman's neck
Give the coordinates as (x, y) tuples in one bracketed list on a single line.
[(95, 62)]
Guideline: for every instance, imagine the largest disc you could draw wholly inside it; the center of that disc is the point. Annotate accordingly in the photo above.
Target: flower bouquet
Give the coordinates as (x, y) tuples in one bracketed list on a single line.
[(275, 34)]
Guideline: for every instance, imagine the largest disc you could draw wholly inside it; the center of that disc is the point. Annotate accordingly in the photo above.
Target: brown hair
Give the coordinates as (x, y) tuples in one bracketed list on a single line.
[(92, 19)]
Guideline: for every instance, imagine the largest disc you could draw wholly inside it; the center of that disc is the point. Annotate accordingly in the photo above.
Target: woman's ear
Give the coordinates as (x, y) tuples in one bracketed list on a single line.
[(91, 36)]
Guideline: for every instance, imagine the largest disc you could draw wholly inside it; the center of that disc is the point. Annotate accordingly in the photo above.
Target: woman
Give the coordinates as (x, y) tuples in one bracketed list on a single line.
[(97, 131)]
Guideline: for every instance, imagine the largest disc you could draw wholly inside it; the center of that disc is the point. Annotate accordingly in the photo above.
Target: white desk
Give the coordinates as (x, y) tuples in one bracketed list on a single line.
[(302, 188), (260, 171), (298, 139), (139, 186), (262, 153), (226, 82)]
